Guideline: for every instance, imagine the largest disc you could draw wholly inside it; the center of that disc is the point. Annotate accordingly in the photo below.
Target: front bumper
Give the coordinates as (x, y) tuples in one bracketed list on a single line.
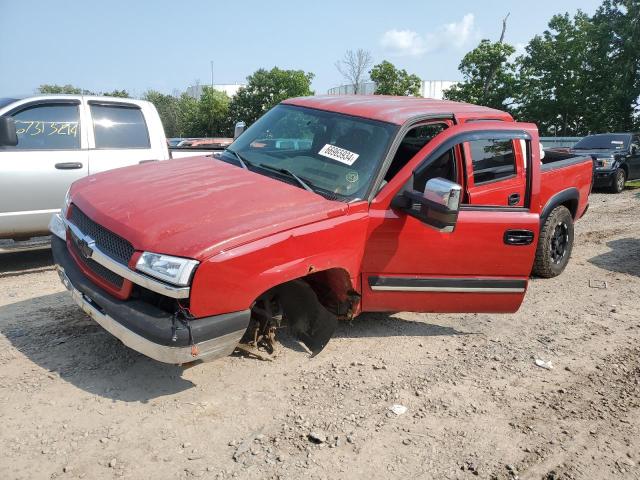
[(603, 178), (146, 328)]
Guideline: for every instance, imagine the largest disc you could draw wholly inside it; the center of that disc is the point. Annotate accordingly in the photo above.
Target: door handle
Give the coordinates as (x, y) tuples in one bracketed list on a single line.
[(68, 165), (518, 237), (514, 199)]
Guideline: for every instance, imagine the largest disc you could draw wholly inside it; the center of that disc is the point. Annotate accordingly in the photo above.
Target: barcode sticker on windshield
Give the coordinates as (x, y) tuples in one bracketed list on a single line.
[(338, 154)]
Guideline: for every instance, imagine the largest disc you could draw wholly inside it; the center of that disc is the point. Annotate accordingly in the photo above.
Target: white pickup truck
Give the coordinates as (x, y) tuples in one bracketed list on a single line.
[(61, 138)]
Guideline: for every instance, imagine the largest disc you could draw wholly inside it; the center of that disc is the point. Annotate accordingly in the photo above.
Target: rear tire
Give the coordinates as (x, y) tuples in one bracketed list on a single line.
[(619, 179), (555, 243)]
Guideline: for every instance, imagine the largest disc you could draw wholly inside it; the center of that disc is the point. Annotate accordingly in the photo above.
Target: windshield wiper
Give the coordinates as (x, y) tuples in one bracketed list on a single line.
[(243, 163), (300, 181)]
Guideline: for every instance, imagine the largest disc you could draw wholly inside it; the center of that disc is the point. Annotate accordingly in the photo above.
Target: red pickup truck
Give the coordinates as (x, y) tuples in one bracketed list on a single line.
[(324, 208)]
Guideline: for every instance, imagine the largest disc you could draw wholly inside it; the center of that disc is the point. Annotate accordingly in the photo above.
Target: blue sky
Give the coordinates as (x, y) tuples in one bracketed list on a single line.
[(168, 45)]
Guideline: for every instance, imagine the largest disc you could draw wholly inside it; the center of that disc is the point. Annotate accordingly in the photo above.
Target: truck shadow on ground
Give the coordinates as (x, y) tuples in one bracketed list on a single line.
[(55, 335), (372, 325), (388, 325), (20, 263), (624, 257), (60, 338)]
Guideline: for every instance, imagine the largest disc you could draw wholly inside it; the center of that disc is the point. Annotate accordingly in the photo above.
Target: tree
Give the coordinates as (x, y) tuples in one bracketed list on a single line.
[(213, 113), (615, 55), (353, 67), (168, 109), (265, 89), (70, 89), (489, 78), (116, 93), (61, 89), (188, 121), (555, 89), (391, 81)]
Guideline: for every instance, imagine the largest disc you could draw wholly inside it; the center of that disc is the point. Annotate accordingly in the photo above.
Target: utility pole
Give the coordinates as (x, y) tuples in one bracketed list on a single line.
[(212, 74)]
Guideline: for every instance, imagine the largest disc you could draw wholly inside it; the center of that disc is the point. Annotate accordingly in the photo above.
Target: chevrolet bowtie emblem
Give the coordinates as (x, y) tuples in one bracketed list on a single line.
[(83, 247)]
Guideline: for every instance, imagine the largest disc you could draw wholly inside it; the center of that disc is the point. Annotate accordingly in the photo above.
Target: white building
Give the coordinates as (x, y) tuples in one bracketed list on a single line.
[(429, 88), (230, 89)]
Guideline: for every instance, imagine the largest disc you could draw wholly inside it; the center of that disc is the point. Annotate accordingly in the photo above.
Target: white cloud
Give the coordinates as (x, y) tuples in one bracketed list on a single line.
[(457, 33), (403, 42), (450, 35)]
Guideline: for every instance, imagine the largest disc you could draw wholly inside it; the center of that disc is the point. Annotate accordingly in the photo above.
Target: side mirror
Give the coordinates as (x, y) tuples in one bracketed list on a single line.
[(8, 135), (634, 149), (437, 207), (239, 129)]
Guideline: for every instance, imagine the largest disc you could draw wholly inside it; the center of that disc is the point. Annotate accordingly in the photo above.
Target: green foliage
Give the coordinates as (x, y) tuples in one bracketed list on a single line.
[(392, 81), (580, 76), (554, 85), (61, 89), (70, 89), (616, 60), (489, 76), (265, 89), (116, 93), (168, 109), (212, 113)]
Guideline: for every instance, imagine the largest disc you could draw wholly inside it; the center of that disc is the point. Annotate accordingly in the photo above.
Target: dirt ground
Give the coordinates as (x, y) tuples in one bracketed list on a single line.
[(75, 403)]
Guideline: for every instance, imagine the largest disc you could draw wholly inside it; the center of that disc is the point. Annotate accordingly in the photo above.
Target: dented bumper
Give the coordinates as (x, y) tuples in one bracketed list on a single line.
[(146, 328)]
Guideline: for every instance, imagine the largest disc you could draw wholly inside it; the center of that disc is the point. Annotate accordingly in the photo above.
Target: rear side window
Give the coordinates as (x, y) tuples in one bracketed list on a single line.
[(48, 127), (493, 160), (119, 127)]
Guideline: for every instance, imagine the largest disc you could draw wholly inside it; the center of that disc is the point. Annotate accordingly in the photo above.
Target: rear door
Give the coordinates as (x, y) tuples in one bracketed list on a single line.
[(118, 135), (35, 174), (484, 264)]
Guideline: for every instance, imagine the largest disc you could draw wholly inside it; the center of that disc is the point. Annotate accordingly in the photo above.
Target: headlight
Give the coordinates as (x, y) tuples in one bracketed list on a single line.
[(66, 203), (174, 270), (606, 162)]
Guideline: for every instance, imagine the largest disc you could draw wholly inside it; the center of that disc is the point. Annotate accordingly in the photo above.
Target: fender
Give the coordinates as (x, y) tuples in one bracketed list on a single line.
[(569, 195), (234, 279)]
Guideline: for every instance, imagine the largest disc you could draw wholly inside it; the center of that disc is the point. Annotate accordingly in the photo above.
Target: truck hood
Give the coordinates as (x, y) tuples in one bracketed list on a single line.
[(598, 153), (196, 207)]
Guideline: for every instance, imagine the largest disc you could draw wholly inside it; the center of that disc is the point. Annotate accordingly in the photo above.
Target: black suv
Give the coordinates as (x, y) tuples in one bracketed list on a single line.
[(617, 158)]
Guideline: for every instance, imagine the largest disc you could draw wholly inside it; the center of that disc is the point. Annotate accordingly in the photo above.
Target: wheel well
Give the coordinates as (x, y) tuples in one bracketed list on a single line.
[(333, 288), (572, 206), (625, 167), (568, 198)]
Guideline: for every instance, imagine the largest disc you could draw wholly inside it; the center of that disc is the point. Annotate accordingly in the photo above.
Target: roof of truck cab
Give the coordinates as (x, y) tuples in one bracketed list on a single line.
[(397, 110)]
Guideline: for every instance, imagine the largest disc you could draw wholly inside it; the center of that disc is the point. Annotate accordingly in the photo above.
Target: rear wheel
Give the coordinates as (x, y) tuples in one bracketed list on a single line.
[(555, 244), (619, 180)]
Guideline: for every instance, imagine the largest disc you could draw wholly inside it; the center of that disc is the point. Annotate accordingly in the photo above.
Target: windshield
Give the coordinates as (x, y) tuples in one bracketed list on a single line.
[(336, 155), (606, 141)]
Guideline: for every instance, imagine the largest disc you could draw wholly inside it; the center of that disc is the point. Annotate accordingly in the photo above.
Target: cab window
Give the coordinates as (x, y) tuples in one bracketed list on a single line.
[(117, 126), (414, 141), (496, 172), (48, 127), (442, 167), (493, 160)]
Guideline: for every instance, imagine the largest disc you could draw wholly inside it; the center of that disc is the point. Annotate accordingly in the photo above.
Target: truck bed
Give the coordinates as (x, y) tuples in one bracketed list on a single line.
[(562, 172)]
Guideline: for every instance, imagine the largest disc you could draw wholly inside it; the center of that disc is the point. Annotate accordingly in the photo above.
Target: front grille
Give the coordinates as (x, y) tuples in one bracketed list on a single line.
[(113, 245), (102, 272)]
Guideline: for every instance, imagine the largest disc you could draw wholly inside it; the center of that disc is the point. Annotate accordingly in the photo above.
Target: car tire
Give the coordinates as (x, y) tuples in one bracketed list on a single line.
[(619, 179), (554, 244)]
